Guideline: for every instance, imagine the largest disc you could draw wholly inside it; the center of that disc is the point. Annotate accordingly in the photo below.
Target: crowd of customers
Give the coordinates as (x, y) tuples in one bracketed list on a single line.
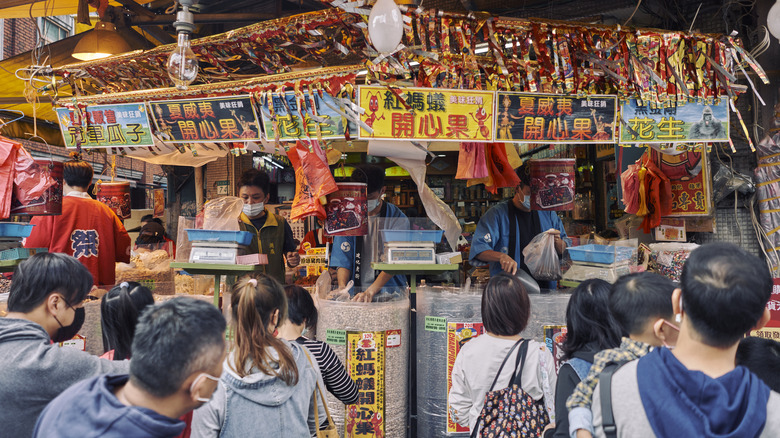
[(644, 356)]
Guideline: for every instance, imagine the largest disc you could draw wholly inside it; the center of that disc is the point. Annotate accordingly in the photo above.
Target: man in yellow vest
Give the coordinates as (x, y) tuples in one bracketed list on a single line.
[(272, 234)]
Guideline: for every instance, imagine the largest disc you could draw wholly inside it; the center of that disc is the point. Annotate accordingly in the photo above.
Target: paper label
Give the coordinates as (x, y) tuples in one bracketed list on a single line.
[(435, 324), (393, 338), (336, 337)]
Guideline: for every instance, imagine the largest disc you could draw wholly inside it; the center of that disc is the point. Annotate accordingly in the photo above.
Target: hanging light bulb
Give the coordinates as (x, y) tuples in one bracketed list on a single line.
[(182, 63), (385, 26), (773, 19)]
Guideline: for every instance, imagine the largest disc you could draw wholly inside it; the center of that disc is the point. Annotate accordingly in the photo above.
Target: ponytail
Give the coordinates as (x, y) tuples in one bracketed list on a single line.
[(254, 301)]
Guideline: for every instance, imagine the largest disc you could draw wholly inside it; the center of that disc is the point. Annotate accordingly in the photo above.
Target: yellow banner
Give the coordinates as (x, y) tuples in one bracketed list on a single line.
[(458, 333), (366, 365), (427, 114)]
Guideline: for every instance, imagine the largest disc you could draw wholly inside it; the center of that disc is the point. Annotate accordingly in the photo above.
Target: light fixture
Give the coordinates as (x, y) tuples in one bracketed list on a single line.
[(773, 20), (385, 26), (182, 63), (101, 42)]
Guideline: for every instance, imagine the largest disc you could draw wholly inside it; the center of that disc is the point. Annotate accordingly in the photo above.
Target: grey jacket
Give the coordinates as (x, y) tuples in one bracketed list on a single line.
[(33, 372), (630, 417), (260, 405)]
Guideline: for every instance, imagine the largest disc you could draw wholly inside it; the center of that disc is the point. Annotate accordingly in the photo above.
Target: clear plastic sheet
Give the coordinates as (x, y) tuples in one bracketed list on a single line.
[(373, 317), (222, 213)]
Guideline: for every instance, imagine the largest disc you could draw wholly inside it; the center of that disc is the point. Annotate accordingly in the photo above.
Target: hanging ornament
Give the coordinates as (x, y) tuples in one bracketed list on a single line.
[(385, 26)]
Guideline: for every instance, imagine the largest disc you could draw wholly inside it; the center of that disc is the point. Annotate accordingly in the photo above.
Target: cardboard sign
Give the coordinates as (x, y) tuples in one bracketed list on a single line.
[(211, 120), (366, 365), (104, 126), (684, 122)]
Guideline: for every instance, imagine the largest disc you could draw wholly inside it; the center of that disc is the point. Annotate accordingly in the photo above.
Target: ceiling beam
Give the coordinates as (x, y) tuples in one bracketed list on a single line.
[(158, 20), (159, 34), (135, 8)]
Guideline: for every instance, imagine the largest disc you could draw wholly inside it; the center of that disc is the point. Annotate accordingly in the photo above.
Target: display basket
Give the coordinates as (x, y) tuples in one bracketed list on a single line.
[(15, 229), (412, 235), (240, 237), (602, 254), (20, 253)]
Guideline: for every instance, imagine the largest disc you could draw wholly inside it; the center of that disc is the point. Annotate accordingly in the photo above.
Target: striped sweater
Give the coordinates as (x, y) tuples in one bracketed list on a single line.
[(334, 373)]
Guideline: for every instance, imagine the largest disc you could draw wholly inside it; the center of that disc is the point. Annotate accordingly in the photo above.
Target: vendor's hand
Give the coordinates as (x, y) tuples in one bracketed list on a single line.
[(293, 259), (508, 264), (560, 244), (364, 297)]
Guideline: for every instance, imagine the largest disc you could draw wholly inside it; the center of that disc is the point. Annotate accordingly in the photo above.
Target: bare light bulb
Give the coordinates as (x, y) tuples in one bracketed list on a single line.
[(773, 20), (385, 26), (183, 64)]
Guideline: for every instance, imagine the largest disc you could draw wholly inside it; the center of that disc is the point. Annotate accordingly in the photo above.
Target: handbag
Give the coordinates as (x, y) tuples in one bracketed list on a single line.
[(511, 412), (330, 430)]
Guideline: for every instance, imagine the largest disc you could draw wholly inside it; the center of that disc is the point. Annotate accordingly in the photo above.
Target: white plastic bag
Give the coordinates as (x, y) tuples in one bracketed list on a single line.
[(541, 258)]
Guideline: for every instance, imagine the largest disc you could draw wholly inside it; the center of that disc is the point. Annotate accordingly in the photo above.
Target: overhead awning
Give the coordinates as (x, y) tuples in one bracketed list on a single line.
[(48, 8)]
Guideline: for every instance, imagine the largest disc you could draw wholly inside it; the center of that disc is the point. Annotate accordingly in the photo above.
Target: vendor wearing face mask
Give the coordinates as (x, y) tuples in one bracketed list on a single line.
[(274, 236), (509, 226), (352, 256)]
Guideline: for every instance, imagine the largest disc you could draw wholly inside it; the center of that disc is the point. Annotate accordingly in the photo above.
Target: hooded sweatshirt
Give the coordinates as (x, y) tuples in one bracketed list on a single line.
[(657, 396), (33, 372), (261, 405), (90, 409)]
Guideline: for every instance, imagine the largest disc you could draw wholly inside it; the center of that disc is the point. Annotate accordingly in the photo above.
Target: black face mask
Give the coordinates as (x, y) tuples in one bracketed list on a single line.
[(66, 333)]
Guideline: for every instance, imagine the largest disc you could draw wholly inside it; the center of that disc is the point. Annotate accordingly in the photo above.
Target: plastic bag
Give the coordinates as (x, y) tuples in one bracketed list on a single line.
[(541, 258), (183, 244), (313, 180), (503, 173), (222, 213), (471, 161), (31, 180)]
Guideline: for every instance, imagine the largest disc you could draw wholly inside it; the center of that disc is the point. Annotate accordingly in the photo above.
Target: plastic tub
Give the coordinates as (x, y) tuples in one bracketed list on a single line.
[(240, 237), (15, 229), (20, 253), (412, 235), (604, 254)]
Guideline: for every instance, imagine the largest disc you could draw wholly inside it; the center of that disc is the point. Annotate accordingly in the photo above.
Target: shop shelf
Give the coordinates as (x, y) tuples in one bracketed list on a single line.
[(412, 235), (15, 229), (240, 237), (604, 254)]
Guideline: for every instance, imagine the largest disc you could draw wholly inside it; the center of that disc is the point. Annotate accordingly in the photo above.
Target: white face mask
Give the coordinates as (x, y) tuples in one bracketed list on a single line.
[(372, 204), (527, 202), (194, 382), (253, 210)]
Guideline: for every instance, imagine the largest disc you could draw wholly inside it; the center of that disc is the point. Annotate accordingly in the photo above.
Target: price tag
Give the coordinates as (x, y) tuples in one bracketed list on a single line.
[(336, 337), (436, 324)]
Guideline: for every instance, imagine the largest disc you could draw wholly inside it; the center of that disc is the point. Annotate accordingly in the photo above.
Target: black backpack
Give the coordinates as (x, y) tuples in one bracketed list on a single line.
[(607, 416)]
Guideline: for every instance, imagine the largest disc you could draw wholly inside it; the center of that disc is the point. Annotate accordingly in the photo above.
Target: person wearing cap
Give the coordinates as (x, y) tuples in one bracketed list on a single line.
[(499, 245), (87, 229)]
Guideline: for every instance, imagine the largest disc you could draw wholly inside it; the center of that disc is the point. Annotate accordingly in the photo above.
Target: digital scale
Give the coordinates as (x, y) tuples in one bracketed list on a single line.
[(410, 252), (215, 252)]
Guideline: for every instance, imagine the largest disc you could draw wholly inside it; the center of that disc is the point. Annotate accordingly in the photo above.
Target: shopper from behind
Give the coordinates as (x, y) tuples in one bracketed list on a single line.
[(762, 357), (590, 328), (178, 353), (352, 256), (506, 309), (87, 229), (272, 234), (268, 385), (45, 305), (696, 389), (642, 305), (119, 311), (508, 227), (302, 316)]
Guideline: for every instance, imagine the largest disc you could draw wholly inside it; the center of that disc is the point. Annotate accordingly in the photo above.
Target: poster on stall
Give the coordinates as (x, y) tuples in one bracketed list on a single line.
[(554, 118), (689, 174), (458, 333), (772, 328), (315, 260), (427, 114), (554, 335), (210, 120), (676, 124), (106, 126), (285, 115), (366, 366), (159, 202)]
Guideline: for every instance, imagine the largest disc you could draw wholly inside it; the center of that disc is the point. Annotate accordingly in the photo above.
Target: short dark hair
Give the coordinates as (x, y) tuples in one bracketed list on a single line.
[(43, 273), (77, 173), (589, 322), (524, 173), (150, 218), (151, 232), (257, 178), (370, 174), (724, 292), (119, 311), (762, 357), (636, 299), (300, 306), (172, 341), (505, 305)]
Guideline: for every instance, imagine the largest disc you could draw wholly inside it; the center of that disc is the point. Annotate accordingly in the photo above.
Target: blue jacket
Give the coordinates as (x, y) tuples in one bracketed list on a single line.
[(90, 409), (261, 405), (493, 234), (343, 255)]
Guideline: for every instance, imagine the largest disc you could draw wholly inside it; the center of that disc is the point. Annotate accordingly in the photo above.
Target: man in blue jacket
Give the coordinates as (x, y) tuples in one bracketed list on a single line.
[(353, 255), (178, 351), (509, 226)]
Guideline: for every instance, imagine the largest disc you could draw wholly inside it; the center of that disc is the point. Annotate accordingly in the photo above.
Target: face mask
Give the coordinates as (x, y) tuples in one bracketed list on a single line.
[(66, 333), (527, 202), (305, 330), (675, 328), (253, 210), (194, 382), (372, 204)]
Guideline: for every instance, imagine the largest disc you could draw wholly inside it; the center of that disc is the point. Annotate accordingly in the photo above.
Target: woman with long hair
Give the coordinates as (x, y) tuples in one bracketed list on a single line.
[(268, 384), (590, 328), (119, 312)]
